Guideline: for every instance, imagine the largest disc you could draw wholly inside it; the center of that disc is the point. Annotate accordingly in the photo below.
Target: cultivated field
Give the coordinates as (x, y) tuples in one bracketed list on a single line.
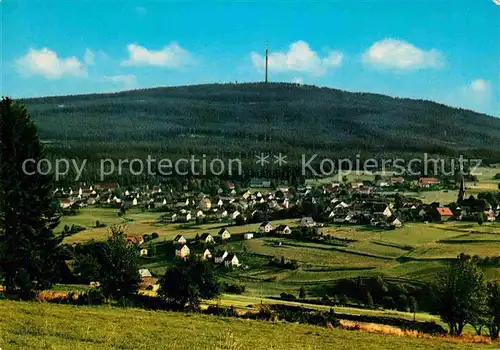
[(417, 251)]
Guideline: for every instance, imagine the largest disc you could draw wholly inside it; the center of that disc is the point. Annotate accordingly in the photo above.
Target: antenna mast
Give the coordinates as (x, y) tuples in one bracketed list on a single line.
[(267, 59)]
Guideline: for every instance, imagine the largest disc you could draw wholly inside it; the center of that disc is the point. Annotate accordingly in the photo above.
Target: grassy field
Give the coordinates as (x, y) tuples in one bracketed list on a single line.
[(137, 222), (39, 326), (425, 247), (417, 251)]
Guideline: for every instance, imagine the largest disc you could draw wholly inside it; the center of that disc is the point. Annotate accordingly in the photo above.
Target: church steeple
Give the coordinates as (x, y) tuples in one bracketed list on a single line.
[(461, 191)]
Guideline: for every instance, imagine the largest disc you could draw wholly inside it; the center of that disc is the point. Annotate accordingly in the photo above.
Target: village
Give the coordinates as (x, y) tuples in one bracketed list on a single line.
[(378, 203)]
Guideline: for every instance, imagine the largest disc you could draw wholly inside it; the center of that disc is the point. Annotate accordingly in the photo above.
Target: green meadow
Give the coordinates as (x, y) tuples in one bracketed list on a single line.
[(49, 326)]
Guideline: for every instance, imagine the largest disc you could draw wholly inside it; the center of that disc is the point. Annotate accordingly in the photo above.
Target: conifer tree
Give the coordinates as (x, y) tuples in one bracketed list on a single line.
[(29, 251)]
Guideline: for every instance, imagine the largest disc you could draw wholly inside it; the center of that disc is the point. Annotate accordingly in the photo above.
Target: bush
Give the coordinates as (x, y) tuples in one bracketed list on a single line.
[(304, 315), (151, 302), (93, 296), (288, 296), (325, 319), (265, 313), (72, 230), (424, 327), (99, 224), (388, 303), (232, 288), (152, 250), (284, 264), (343, 300), (154, 235), (221, 311)]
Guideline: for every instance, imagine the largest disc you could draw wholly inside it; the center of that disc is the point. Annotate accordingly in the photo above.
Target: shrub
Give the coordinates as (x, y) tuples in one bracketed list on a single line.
[(265, 313), (154, 235), (149, 302), (221, 311), (287, 296), (302, 293), (343, 300), (99, 224), (232, 288), (322, 318), (93, 296)]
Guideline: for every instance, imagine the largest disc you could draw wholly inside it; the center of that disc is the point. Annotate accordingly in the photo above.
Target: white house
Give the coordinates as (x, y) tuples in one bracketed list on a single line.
[(248, 235), (179, 239), (205, 204), (219, 258), (182, 252), (224, 234), (396, 222), (206, 255), (186, 217), (265, 227), (231, 260), (283, 229), (307, 222), (207, 238), (145, 273), (66, 203), (144, 252)]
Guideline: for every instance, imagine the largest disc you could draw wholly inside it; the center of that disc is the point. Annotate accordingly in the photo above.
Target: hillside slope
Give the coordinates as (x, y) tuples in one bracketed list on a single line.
[(254, 117), (37, 325)]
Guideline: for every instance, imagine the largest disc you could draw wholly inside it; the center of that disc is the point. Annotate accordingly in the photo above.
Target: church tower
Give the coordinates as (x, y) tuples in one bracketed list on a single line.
[(461, 191)]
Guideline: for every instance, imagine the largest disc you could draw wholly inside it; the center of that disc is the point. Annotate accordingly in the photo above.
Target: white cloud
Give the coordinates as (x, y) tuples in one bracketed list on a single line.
[(401, 55), (298, 80), (46, 63), (89, 57), (128, 81), (334, 59), (298, 58), (479, 86), (476, 95), (171, 56), (478, 92)]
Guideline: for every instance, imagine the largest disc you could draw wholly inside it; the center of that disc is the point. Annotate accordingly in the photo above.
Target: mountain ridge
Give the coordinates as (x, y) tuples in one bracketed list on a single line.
[(245, 117)]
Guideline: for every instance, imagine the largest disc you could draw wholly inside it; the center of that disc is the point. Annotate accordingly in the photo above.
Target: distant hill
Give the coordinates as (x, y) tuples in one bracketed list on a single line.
[(227, 119)]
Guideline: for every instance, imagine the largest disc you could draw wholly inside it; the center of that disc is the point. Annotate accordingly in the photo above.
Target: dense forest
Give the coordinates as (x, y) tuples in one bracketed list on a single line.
[(242, 120)]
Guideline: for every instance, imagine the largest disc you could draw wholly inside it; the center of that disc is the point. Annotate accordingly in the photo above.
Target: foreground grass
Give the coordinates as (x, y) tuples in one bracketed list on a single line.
[(38, 325)]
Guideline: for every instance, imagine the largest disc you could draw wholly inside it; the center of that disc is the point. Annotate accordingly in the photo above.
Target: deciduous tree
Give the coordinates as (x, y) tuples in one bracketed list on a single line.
[(119, 272), (186, 282), (460, 294)]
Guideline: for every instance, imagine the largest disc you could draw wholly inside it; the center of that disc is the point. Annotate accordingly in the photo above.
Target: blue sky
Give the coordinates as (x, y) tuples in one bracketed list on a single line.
[(446, 51)]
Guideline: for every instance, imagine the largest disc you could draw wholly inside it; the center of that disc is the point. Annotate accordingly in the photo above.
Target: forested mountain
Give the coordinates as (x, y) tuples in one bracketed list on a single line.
[(242, 119)]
